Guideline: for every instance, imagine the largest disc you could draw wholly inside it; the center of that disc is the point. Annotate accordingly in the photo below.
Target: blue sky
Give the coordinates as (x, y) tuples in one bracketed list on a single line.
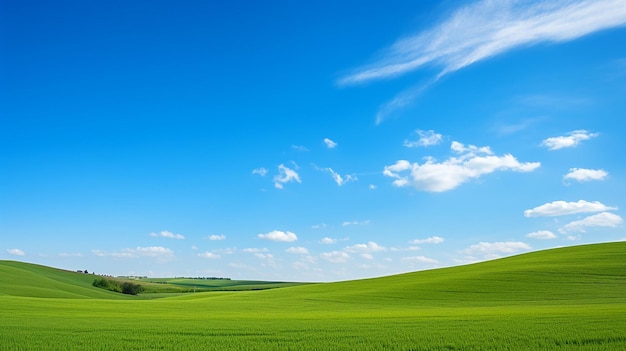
[(310, 142)]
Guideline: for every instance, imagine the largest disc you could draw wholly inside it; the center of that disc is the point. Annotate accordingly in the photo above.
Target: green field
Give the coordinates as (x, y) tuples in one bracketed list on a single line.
[(563, 299)]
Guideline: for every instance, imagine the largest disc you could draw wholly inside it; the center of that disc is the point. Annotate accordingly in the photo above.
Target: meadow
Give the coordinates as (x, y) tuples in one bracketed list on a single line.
[(570, 298)]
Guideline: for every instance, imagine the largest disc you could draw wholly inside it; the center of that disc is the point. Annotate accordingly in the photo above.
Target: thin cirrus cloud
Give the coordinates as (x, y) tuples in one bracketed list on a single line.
[(330, 143), (469, 163), (482, 30), (561, 208), (215, 237), (604, 219), (495, 249), (585, 175), (572, 139)]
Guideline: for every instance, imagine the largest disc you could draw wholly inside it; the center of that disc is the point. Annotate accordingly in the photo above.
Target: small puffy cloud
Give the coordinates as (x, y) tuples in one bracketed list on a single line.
[(561, 208), (329, 143), (432, 240), (285, 175), (167, 234), (280, 236), (542, 235), (471, 162), (426, 138), (328, 240), (572, 139), (369, 247), (604, 219), (421, 259), (340, 180), (210, 255), (152, 251), (260, 171), (493, 250), (585, 175), (264, 256), (335, 256), (215, 237), (371, 187), (298, 250), (16, 252)]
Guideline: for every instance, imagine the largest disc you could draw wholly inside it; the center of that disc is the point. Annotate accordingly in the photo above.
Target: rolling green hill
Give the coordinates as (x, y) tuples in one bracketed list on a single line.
[(570, 298)]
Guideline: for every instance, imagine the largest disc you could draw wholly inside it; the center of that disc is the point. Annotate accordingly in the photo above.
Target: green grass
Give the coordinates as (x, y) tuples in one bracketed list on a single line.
[(564, 299)]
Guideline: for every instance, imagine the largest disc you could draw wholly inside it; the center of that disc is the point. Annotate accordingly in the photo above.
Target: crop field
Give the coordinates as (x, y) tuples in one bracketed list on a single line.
[(564, 299)]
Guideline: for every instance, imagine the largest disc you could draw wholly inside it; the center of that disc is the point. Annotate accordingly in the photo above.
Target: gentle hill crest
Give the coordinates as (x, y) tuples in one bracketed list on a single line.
[(575, 274)]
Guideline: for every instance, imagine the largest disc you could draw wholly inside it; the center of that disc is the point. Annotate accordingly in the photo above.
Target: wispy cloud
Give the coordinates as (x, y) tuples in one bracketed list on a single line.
[(260, 171), (542, 235), (604, 219), (338, 178), (431, 240), (162, 254), (585, 175), (561, 208), (298, 250), (470, 162), (335, 256), (285, 175), (330, 143), (482, 30), (425, 138), (572, 139), (217, 237), (493, 250), (167, 234), (210, 255), (488, 28)]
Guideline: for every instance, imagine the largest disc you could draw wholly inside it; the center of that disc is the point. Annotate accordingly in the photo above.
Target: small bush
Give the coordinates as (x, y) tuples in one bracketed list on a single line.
[(116, 286)]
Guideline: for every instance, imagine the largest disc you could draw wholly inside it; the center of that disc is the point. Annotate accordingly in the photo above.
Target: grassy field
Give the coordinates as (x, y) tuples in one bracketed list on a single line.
[(564, 299)]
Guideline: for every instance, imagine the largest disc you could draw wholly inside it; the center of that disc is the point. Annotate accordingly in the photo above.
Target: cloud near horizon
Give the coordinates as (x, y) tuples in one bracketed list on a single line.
[(561, 208), (471, 162), (481, 30), (604, 219)]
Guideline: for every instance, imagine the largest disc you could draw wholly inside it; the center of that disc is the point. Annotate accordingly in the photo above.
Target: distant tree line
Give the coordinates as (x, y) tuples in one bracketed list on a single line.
[(117, 286)]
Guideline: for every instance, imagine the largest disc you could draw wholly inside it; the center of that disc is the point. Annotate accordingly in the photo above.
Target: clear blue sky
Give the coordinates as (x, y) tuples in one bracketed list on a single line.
[(313, 141)]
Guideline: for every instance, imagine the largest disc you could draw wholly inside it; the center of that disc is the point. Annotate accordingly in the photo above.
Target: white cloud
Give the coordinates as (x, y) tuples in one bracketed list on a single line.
[(487, 28), (319, 226), (604, 219), (471, 162), (584, 175), (426, 138), (151, 251), (329, 143), (210, 255), (570, 140), (298, 250), (260, 171), (347, 223), (285, 175), (561, 208), (542, 235), (277, 235), (432, 240), (328, 240), (167, 234), (421, 259), (493, 250), (217, 237), (16, 252), (299, 148), (335, 256), (338, 178), (369, 247), (371, 187), (264, 256), (255, 250), (161, 253)]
